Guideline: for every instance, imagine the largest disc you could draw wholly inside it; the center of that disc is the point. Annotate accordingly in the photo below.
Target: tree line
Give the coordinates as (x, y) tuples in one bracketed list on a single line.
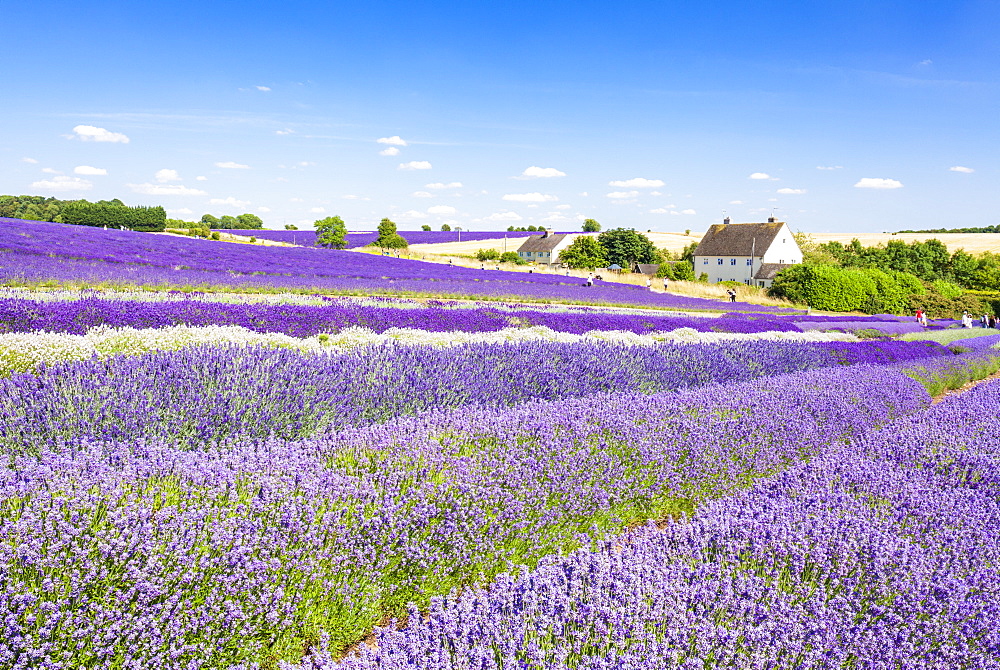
[(894, 278), (102, 214)]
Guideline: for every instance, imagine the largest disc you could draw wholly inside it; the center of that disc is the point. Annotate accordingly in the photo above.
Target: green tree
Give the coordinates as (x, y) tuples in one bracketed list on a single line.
[(487, 255), (445, 227), (584, 252), (250, 222), (331, 232), (625, 247), (229, 222), (291, 226), (210, 221), (425, 227), (591, 226), (388, 238), (512, 257)]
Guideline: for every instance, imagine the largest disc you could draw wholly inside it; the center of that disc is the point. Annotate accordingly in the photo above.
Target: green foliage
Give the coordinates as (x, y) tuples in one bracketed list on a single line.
[(291, 226), (947, 289), (331, 232), (228, 222), (215, 235), (626, 247), (703, 277), (939, 306), (488, 255), (111, 215), (210, 221), (425, 227), (249, 222), (591, 226), (512, 257), (888, 297), (584, 252), (445, 227)]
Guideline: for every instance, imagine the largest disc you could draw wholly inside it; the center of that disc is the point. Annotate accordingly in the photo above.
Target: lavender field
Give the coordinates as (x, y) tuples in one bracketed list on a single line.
[(360, 239), (36, 253), (302, 481)]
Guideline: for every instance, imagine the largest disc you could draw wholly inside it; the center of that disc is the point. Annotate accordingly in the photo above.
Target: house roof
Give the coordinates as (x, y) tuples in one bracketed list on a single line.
[(770, 270), (738, 239), (542, 243), (646, 268)]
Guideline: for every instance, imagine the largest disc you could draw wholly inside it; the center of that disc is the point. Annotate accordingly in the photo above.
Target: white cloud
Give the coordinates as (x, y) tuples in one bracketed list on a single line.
[(622, 195), (688, 211), (415, 165), (263, 210), (422, 194), (391, 151), (164, 189), (230, 165), (182, 210), (638, 182), (231, 202), (564, 206), (263, 88), (63, 184), (791, 191), (413, 214), (201, 178), (28, 160), (166, 175), (286, 131), (959, 168), (88, 170), (306, 164), (926, 61), (656, 193), (530, 197), (584, 194), (535, 171), (504, 216), (441, 209), (51, 171), (439, 185), (829, 167), (395, 140), (760, 175), (872, 182), (659, 210), (95, 134), (296, 200), (675, 213), (317, 210), (735, 202)]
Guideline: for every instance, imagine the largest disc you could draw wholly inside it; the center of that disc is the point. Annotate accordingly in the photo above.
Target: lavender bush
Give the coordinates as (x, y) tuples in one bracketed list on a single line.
[(138, 555), (881, 555), (207, 395)]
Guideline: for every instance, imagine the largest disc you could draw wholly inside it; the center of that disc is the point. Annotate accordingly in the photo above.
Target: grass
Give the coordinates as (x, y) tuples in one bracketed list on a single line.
[(950, 335)]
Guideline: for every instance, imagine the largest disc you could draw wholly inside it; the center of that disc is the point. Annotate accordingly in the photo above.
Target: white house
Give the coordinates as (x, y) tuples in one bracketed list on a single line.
[(545, 248), (752, 253)]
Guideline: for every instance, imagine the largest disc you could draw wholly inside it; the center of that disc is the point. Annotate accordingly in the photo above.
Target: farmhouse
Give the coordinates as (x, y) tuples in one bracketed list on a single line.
[(752, 253), (544, 248)]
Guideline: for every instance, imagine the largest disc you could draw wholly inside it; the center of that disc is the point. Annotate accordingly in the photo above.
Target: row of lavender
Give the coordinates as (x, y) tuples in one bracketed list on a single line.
[(54, 254), (78, 316), (206, 395), (881, 554), (133, 554), (360, 239)]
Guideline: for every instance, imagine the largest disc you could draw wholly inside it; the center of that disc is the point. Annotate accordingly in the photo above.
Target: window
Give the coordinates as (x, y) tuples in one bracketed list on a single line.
[(781, 262), (720, 261), (705, 262), (732, 261), (750, 262)]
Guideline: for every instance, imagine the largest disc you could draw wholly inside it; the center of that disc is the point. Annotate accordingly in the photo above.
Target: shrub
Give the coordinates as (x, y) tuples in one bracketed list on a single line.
[(488, 255)]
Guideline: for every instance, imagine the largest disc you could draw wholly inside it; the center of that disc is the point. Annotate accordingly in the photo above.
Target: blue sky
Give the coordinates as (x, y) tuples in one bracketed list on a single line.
[(836, 116)]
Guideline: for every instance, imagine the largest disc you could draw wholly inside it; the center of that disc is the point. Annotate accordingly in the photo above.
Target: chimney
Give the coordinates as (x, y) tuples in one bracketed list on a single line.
[(545, 233), (725, 221), (771, 219)]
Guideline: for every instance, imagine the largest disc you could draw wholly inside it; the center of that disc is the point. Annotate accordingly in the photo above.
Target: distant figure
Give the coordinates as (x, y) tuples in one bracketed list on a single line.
[(920, 316), (993, 321), (451, 262), (732, 295), (590, 279), (598, 278), (649, 283), (923, 318)]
